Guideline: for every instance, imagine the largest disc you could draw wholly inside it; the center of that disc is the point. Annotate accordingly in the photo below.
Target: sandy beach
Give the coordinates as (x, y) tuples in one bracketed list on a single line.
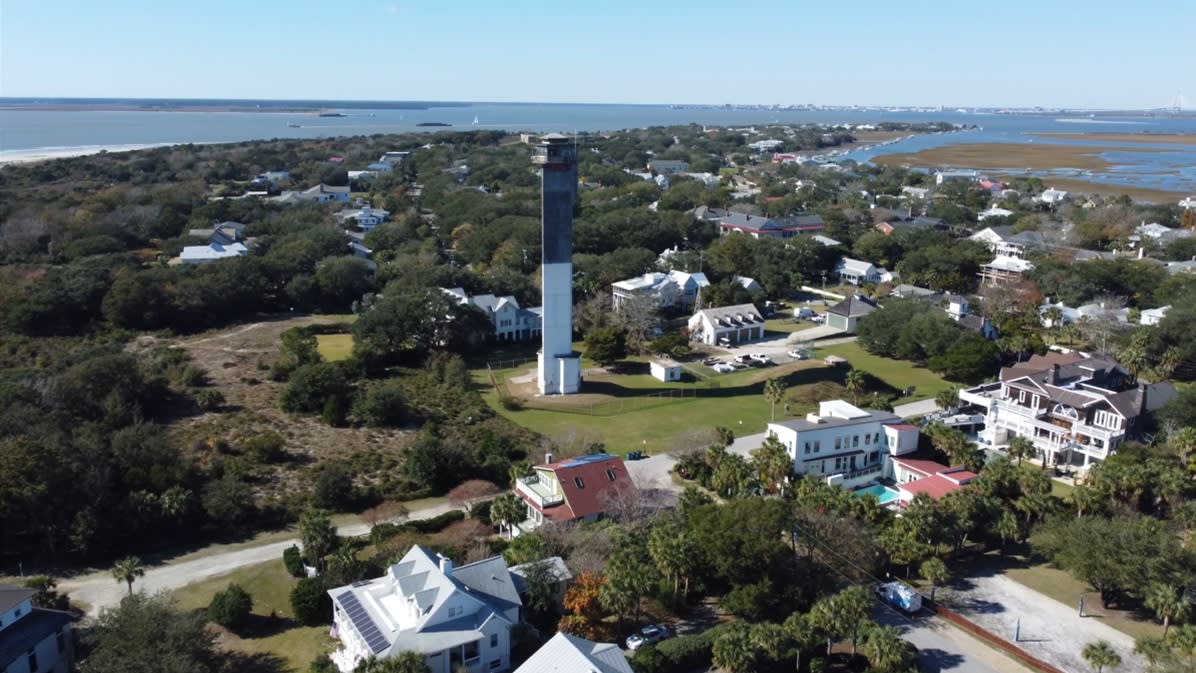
[(48, 153)]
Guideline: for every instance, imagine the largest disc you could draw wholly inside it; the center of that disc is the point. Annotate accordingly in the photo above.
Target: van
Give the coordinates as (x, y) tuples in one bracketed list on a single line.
[(803, 313)]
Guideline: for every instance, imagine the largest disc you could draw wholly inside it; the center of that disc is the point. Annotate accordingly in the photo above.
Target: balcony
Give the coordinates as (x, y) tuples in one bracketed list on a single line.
[(538, 492)]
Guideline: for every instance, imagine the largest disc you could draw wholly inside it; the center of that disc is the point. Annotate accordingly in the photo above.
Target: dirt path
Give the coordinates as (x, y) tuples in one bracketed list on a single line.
[(99, 590)]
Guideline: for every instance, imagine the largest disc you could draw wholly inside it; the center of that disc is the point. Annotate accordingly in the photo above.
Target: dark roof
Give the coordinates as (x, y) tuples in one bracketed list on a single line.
[(24, 634), (589, 498), (853, 307), (492, 578), (972, 322), (12, 596)]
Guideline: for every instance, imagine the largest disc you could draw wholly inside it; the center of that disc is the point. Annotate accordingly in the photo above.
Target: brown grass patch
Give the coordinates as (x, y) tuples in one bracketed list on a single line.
[(1156, 138), (1002, 156)]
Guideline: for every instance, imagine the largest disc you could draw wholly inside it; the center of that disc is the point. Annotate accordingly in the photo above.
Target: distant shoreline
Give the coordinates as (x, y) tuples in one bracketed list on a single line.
[(37, 154)]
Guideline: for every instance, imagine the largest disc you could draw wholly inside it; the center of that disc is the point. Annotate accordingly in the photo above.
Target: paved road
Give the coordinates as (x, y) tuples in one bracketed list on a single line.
[(914, 409), (99, 590), (943, 648), (1050, 630)]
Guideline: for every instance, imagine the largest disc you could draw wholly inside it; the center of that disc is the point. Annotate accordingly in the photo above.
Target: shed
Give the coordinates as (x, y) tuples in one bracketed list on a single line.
[(665, 370)]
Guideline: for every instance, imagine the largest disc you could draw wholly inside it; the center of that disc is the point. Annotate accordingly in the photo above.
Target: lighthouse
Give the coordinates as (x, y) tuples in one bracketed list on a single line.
[(559, 366)]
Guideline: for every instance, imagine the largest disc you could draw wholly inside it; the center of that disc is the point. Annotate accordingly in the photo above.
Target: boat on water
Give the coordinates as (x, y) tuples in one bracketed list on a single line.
[(433, 124), (293, 125), (333, 114), (475, 120)]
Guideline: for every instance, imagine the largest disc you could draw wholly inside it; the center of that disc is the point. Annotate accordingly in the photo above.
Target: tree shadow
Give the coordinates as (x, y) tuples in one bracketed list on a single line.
[(260, 662), (934, 660), (264, 626)]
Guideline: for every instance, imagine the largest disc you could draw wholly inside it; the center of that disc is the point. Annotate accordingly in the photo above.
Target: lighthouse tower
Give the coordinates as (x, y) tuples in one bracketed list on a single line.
[(559, 370)]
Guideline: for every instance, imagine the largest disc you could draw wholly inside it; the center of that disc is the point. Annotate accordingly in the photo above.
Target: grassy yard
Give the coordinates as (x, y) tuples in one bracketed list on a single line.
[(270, 586), (613, 408), (898, 374), (334, 347)]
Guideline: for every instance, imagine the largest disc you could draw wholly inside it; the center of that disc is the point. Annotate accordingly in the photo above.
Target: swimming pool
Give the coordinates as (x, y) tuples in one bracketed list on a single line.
[(882, 493)]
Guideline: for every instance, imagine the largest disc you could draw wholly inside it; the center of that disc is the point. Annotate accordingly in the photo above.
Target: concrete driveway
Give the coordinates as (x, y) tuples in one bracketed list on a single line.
[(943, 648)]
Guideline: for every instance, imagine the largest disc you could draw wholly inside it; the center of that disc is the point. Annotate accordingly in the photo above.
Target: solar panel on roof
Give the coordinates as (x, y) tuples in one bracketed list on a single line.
[(363, 622)]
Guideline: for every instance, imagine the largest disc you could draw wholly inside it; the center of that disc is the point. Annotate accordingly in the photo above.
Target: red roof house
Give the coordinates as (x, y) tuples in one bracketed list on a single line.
[(936, 480), (573, 489)]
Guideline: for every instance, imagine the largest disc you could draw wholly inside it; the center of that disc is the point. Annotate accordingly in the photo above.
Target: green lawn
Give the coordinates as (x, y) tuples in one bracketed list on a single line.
[(270, 586), (899, 374), (334, 347), (614, 410), (787, 325)]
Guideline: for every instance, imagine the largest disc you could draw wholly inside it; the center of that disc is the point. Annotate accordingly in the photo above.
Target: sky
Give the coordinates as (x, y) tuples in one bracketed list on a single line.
[(1015, 53)]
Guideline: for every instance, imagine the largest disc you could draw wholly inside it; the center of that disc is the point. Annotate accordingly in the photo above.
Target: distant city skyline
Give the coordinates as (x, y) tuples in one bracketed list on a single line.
[(1021, 54)]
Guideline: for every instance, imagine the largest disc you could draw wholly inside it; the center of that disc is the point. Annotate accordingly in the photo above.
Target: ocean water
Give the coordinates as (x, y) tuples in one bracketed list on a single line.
[(23, 131)]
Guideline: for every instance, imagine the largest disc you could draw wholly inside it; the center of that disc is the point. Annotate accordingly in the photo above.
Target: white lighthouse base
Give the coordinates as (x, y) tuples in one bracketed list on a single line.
[(559, 374)]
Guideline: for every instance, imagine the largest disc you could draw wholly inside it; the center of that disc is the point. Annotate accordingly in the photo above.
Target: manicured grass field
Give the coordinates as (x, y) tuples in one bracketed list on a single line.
[(270, 586), (897, 373), (334, 347)]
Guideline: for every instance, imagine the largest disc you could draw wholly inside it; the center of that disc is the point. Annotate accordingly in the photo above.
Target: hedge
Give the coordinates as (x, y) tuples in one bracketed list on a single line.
[(436, 523)]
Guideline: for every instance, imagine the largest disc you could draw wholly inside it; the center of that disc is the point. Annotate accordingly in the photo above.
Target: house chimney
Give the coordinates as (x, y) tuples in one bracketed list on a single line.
[(548, 458), (1141, 252), (1053, 375), (446, 564), (1142, 386)]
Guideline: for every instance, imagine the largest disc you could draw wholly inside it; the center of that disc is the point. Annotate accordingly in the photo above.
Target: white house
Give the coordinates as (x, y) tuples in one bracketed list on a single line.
[(1189, 202), (1053, 196), (857, 271), (768, 145), (1074, 409), (33, 640), (668, 166), (1153, 316), (1003, 269), (321, 193), (941, 177), (564, 653), (664, 370), (674, 288), (1002, 241), (510, 322), (826, 240), (993, 211), (844, 444), (750, 284), (224, 233), (365, 217), (726, 325), (1160, 234), (455, 616), (916, 192), (203, 254)]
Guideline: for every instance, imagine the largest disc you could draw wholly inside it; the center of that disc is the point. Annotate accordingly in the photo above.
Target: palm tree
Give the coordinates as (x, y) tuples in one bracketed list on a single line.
[(886, 650), (770, 639), (733, 651), (1054, 314), (772, 463), (1020, 448), (947, 399), (774, 392), (1086, 499), (933, 570), (797, 626), (127, 570), (856, 380), (1100, 654), (1153, 650), (508, 510), (317, 534), (1167, 603)]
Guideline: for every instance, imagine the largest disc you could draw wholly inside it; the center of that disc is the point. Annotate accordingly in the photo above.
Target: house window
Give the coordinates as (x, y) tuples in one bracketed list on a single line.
[(855, 442), (493, 640), (610, 474), (579, 482), (495, 663), (875, 457), (807, 447), (1021, 396), (867, 438), (838, 443), (817, 445), (471, 651)]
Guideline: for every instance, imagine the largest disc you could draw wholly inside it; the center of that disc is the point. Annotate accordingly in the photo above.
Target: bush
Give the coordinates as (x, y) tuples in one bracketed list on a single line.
[(481, 512), (436, 523), (292, 559), (230, 608), (191, 377), (334, 412), (511, 403), (383, 532), (334, 488), (311, 386), (687, 653), (381, 406), (210, 399), (268, 447), (307, 601)]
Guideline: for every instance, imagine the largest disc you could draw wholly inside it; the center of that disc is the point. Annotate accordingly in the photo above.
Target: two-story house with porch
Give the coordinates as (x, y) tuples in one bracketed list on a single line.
[(1075, 409), (574, 489), (457, 617), (510, 322), (33, 640), (844, 444)]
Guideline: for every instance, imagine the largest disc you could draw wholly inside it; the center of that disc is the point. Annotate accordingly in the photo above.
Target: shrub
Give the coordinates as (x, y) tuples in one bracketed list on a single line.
[(268, 447), (292, 558), (436, 523), (307, 599), (334, 488), (210, 399), (230, 608), (511, 403), (191, 377), (381, 406), (311, 386)]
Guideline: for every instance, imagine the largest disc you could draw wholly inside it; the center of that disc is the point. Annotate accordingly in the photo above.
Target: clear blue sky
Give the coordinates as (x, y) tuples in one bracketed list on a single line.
[(1096, 53)]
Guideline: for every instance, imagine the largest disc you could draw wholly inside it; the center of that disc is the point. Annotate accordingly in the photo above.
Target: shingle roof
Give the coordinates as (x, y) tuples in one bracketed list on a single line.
[(12, 596), (853, 307), (24, 634)]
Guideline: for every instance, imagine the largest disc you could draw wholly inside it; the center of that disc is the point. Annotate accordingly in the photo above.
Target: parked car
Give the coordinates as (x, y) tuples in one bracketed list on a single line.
[(743, 358), (652, 633), (724, 341), (818, 318), (798, 355), (760, 357), (723, 368), (803, 313), (710, 362)]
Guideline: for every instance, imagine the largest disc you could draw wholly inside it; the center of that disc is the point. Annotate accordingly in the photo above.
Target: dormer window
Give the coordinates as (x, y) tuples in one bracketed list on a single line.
[(579, 482), (610, 474)]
